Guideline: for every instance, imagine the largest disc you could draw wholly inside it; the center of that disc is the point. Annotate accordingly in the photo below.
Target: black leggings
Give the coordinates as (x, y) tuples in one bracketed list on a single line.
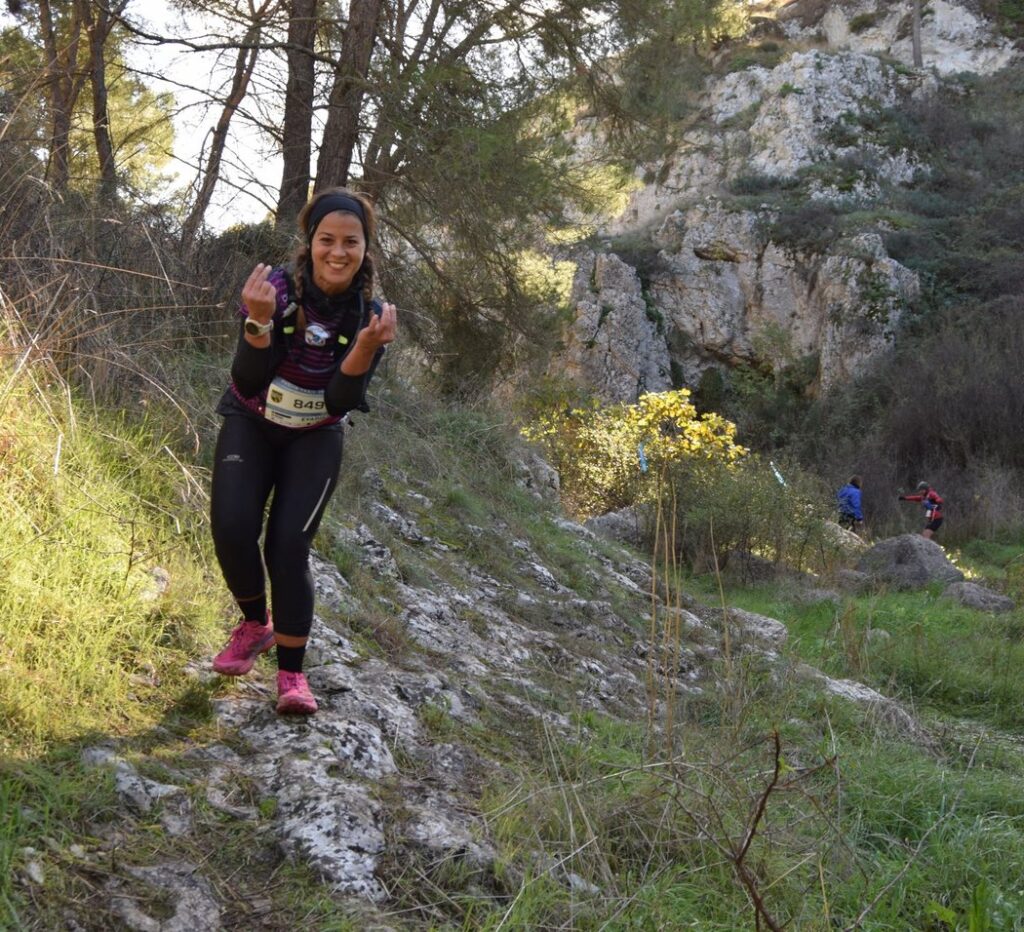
[(301, 466)]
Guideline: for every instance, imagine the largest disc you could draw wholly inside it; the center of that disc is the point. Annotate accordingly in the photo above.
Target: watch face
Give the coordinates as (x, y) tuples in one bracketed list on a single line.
[(256, 329)]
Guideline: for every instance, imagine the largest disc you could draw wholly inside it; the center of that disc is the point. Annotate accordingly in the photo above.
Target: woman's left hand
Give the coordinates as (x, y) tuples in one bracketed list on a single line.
[(377, 333), (380, 330)]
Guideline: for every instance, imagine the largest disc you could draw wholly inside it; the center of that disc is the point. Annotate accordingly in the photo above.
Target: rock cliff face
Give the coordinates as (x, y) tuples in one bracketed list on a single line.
[(725, 287), (731, 297), (614, 344), (955, 37)]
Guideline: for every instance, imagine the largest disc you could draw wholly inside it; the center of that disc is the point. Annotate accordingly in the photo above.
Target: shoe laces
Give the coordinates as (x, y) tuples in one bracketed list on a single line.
[(249, 631), (292, 682)]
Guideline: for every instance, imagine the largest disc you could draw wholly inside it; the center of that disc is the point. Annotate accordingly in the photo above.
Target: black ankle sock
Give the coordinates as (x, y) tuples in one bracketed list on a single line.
[(290, 658), (254, 609)]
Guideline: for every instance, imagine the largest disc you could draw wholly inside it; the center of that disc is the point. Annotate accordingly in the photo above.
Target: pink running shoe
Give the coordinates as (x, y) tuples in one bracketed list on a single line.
[(293, 695), (248, 641)]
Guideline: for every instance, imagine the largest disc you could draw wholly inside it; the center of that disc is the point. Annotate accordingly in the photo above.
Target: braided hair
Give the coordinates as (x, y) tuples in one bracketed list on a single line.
[(300, 257)]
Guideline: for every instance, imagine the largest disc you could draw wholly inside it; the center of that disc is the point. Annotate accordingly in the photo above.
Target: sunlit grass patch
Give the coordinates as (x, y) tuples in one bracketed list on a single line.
[(104, 576), (991, 562)]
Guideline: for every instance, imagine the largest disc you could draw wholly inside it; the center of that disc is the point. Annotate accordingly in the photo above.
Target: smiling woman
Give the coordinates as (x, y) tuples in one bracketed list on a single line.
[(310, 341)]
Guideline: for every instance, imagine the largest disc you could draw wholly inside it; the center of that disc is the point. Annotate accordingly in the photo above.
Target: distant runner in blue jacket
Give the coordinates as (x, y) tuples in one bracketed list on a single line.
[(851, 516)]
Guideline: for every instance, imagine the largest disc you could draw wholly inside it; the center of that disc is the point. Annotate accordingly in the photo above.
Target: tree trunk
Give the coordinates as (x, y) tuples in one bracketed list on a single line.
[(298, 111), (244, 65), (915, 33), (98, 28), (63, 84), (342, 128)]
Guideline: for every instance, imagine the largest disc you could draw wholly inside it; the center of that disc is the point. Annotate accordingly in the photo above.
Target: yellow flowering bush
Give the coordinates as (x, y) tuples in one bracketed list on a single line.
[(611, 456)]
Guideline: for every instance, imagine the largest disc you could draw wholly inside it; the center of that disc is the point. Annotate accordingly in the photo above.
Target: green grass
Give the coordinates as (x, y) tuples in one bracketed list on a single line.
[(993, 560), (81, 531), (89, 648), (45, 804), (931, 651), (856, 817)]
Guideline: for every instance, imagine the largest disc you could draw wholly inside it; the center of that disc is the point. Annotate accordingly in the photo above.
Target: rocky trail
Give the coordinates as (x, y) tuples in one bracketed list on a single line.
[(420, 716)]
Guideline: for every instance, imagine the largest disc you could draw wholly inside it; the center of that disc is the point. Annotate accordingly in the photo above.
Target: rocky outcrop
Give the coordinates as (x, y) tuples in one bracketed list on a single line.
[(909, 561), (627, 525), (725, 288), (980, 597), (613, 345), (887, 711), (729, 295), (795, 106), (954, 36), (774, 122)]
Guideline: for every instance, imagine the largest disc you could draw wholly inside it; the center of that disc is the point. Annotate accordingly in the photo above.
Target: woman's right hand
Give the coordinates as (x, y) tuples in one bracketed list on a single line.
[(258, 295)]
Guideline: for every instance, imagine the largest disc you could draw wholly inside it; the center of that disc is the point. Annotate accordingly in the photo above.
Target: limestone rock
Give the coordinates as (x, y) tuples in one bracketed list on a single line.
[(889, 711), (853, 580), (975, 596), (399, 523), (625, 525), (331, 823), (195, 906), (537, 476), (728, 311), (815, 596), (799, 100), (613, 345), (909, 561), (843, 539), (953, 37), (426, 827), (761, 629), (770, 122), (372, 552), (143, 795)]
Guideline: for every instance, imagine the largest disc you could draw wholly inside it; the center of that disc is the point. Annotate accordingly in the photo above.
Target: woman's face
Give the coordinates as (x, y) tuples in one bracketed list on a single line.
[(337, 251)]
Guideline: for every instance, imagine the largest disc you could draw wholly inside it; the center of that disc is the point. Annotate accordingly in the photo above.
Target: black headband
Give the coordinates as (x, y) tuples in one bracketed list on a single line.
[(330, 203)]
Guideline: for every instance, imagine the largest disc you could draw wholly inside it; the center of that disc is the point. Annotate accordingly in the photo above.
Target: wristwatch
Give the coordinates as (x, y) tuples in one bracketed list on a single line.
[(255, 329)]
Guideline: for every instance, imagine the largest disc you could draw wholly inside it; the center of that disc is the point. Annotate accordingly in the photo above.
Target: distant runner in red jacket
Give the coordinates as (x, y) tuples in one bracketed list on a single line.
[(932, 502)]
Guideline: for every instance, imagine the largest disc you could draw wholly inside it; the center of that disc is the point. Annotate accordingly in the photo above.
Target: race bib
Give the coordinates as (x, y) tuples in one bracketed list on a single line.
[(293, 406)]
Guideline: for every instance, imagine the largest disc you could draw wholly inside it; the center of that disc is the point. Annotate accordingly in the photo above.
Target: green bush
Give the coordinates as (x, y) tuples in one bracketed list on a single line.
[(764, 55), (717, 509), (811, 227), (762, 184), (863, 22)]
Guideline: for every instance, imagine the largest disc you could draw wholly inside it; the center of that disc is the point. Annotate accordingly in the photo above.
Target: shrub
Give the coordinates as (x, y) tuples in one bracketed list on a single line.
[(722, 507), (639, 251), (809, 227), (762, 184), (765, 55), (609, 457), (768, 404), (863, 22)]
